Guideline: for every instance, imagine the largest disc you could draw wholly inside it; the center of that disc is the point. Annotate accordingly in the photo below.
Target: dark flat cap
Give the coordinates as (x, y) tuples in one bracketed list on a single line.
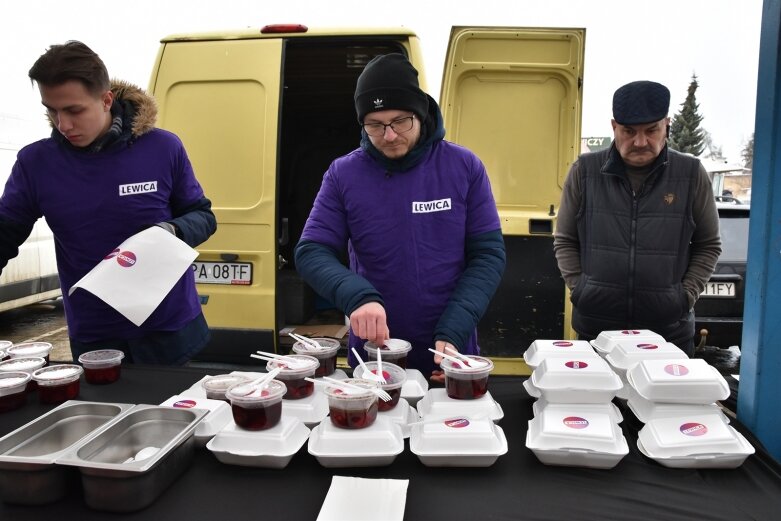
[(641, 102)]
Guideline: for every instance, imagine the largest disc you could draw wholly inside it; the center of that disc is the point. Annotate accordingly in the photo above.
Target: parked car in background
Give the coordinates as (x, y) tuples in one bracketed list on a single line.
[(719, 310)]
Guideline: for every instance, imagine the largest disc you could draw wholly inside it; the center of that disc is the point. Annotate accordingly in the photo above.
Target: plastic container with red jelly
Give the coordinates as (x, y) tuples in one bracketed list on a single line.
[(216, 386), (394, 350), (256, 408), (326, 356), (30, 349), (102, 366), (24, 365), (353, 410), (466, 383), (58, 383), (12, 390), (395, 377), (294, 368)]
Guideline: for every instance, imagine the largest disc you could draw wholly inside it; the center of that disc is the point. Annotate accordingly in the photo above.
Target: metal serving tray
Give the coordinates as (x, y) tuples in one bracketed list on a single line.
[(28, 474), (112, 481)]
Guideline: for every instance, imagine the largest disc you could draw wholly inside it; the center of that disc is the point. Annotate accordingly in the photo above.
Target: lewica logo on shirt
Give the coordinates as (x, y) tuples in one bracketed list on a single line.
[(440, 205), (138, 188)]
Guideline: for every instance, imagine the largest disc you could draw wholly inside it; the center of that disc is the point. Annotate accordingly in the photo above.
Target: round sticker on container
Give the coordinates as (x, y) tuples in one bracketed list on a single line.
[(676, 370), (457, 423), (576, 364), (693, 429), (647, 346), (630, 332), (562, 343), (185, 404), (575, 422), (126, 259)]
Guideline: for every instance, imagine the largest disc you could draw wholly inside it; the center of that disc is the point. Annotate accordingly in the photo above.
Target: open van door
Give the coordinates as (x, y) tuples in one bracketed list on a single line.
[(221, 97), (513, 96)]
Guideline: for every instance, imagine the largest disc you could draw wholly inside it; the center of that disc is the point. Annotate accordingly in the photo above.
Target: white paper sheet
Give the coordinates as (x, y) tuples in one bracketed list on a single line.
[(139, 273), (361, 499)]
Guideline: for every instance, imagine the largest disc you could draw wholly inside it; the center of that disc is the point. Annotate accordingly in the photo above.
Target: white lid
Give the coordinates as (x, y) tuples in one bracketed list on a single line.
[(576, 380), (311, 409), (678, 381), (556, 429), (605, 341), (28, 365), (457, 436), (13, 382), (402, 415), (646, 410), (27, 349), (382, 438), (218, 417), (691, 436), (414, 387), (392, 346), (627, 353), (60, 374), (5, 344), (437, 404), (329, 346), (579, 409), (303, 365), (541, 349), (272, 447)]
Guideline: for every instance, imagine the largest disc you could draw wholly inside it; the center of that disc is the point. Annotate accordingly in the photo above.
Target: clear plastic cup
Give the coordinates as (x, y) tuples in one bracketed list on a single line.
[(466, 383), (215, 386), (258, 410), (326, 357), (292, 375), (58, 383), (393, 350), (102, 366), (353, 410), (24, 365), (30, 349), (395, 377), (12, 389)]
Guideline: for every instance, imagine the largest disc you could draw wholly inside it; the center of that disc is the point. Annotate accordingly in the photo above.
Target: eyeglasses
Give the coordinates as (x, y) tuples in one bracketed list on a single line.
[(399, 126)]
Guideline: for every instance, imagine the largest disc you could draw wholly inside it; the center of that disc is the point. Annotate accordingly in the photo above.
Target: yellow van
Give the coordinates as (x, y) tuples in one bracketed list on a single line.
[(263, 112)]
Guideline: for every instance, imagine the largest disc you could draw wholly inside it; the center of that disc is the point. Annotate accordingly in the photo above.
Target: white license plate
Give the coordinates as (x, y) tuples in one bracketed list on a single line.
[(232, 273), (719, 290)]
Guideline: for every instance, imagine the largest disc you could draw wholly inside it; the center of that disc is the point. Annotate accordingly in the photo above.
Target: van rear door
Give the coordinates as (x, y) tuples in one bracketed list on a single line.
[(513, 96), (221, 97)]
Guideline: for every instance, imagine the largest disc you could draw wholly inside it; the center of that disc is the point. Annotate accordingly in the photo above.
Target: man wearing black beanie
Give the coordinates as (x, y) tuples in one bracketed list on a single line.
[(637, 235), (417, 213)]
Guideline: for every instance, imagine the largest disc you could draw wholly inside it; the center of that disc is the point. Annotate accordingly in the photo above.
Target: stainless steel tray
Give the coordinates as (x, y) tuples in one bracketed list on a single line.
[(112, 481), (28, 474)]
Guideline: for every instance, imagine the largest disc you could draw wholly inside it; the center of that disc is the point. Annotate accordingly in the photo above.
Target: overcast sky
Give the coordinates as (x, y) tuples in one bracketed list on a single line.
[(626, 40)]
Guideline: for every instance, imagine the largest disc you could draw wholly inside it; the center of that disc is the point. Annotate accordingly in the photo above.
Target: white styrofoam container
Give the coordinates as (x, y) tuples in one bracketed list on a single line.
[(311, 410), (458, 442), (542, 349), (271, 448), (590, 439), (697, 441), (564, 380), (646, 410), (605, 341), (402, 415), (626, 353), (437, 404), (414, 387), (218, 418), (374, 446), (678, 381), (579, 409), (531, 389)]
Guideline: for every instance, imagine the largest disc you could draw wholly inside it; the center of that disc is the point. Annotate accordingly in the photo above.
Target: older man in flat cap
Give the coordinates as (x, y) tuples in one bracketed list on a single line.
[(637, 235)]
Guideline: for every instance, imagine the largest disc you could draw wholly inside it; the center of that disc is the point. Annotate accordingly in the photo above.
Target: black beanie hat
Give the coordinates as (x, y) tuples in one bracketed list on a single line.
[(389, 82), (640, 102)]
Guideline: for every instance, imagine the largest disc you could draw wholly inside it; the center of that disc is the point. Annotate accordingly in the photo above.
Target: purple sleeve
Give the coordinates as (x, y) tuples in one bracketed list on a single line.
[(186, 189), (327, 222), (482, 214), (18, 202)]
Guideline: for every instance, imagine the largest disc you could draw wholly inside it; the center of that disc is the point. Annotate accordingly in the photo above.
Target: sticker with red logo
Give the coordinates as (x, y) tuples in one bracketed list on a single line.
[(647, 346), (676, 370), (693, 429), (576, 364), (185, 404), (630, 332), (562, 343), (575, 422), (126, 259), (111, 255), (457, 423)]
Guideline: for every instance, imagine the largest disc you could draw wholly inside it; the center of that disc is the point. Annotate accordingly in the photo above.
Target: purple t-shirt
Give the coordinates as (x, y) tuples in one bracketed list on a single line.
[(406, 231), (93, 202)]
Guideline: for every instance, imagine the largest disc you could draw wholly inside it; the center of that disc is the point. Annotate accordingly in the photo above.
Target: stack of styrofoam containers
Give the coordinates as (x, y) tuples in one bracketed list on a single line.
[(575, 423), (626, 353), (683, 425)]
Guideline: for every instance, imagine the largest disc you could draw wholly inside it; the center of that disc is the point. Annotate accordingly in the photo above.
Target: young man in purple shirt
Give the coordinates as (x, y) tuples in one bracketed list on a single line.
[(105, 174), (418, 218)]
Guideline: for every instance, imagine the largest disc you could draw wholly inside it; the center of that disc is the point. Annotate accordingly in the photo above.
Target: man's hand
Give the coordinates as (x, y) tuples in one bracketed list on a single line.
[(369, 322), (439, 345)]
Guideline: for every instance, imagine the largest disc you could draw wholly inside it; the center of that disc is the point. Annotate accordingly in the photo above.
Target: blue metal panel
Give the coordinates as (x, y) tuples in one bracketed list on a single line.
[(760, 371)]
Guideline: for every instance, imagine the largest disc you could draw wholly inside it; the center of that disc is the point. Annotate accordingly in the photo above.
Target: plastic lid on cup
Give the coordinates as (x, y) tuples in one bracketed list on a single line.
[(101, 358), (453, 368), (395, 376), (392, 346), (331, 347), (59, 374), (28, 349), (5, 344), (221, 382), (13, 382), (28, 365), (307, 365), (336, 393), (268, 395)]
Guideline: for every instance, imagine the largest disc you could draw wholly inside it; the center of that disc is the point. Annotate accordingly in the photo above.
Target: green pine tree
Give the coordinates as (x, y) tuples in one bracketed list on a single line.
[(685, 133)]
